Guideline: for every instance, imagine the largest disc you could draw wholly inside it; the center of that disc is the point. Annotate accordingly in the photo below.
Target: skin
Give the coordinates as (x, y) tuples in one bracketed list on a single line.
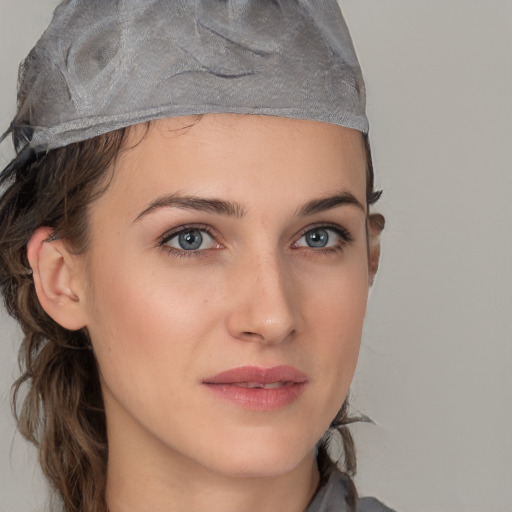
[(162, 320)]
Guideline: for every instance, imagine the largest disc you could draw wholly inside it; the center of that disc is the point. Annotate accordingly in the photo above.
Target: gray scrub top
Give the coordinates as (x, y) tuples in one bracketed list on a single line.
[(331, 498)]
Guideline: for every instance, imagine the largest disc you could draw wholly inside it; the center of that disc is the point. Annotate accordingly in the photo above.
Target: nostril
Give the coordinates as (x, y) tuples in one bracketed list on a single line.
[(252, 335), (266, 336)]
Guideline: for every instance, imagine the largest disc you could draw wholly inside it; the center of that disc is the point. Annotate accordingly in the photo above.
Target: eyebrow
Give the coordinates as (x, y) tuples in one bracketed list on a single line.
[(328, 203), (193, 203), (233, 209)]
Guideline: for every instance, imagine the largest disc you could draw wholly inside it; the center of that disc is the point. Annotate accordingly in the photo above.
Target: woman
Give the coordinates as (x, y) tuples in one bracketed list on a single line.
[(187, 245)]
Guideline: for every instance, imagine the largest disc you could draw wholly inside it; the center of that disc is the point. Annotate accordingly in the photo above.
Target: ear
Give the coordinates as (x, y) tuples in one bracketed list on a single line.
[(56, 274), (376, 223)]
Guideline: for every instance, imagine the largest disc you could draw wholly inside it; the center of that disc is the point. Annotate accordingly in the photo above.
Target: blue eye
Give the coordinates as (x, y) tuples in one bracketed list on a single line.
[(317, 238), (323, 237), (190, 240)]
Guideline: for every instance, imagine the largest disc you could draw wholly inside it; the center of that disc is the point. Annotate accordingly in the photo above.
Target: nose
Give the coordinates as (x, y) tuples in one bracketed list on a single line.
[(263, 305)]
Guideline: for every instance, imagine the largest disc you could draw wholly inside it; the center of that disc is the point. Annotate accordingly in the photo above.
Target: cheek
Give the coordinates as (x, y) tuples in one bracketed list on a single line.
[(145, 312), (335, 321), (338, 296), (149, 337)]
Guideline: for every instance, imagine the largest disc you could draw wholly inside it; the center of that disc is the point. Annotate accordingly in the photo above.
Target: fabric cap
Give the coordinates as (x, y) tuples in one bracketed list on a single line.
[(106, 64)]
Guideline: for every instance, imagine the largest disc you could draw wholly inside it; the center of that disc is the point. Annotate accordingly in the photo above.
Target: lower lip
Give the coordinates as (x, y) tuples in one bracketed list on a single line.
[(258, 399)]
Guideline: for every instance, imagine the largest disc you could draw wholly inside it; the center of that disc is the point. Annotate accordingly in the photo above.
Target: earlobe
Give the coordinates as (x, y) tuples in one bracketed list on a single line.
[(376, 223), (56, 279)]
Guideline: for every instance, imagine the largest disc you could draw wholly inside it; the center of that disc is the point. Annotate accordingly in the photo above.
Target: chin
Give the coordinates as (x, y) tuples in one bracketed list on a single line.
[(262, 457)]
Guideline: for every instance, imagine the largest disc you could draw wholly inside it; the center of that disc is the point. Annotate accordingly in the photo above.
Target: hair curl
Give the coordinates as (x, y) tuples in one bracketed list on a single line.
[(57, 399)]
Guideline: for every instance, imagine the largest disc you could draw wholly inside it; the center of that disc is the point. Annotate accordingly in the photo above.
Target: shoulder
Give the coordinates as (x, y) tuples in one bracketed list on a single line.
[(334, 497), (371, 505)]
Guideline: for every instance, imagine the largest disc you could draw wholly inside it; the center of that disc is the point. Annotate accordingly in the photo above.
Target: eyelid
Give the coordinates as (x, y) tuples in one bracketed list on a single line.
[(346, 237), (173, 232), (344, 234), (340, 230)]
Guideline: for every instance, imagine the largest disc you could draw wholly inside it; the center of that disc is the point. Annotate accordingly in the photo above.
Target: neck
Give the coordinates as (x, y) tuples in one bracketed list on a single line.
[(144, 475), (146, 484)]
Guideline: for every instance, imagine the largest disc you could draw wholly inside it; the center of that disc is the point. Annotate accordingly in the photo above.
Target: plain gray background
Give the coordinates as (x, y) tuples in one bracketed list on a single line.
[(434, 371)]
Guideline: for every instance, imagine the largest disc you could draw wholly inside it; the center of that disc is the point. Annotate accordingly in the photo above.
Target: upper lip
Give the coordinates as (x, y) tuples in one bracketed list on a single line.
[(258, 375)]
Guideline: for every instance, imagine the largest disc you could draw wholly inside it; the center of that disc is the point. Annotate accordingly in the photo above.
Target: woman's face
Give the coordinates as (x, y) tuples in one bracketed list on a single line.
[(226, 286)]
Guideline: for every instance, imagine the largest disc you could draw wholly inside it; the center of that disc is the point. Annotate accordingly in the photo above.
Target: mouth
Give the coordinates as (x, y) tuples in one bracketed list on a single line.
[(259, 385), (258, 389)]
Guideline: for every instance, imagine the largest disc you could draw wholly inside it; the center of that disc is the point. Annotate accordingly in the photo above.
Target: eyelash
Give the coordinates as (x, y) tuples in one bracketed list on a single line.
[(181, 253), (345, 239)]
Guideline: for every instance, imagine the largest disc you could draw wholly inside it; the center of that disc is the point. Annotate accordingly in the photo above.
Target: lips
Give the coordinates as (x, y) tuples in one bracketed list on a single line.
[(256, 388), (259, 385)]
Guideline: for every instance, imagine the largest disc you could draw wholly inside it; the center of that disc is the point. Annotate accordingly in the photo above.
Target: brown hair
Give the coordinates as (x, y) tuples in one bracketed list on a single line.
[(61, 410)]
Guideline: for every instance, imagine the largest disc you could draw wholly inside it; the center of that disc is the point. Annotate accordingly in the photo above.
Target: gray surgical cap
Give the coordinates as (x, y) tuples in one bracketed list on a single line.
[(106, 64)]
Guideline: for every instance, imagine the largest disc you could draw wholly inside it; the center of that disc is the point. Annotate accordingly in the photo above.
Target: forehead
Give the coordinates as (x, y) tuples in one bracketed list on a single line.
[(250, 159)]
